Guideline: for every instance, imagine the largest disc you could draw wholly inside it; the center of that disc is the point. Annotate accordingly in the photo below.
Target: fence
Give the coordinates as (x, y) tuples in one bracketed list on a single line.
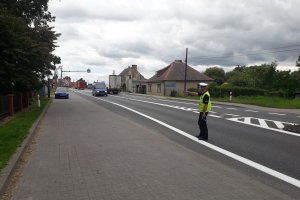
[(4, 106), (11, 104)]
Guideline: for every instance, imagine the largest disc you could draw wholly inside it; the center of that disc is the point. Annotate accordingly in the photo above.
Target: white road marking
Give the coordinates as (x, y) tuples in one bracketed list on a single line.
[(263, 123), (247, 120), (279, 124), (277, 114), (231, 108), (215, 116), (255, 111), (160, 99), (233, 115), (241, 159), (217, 106)]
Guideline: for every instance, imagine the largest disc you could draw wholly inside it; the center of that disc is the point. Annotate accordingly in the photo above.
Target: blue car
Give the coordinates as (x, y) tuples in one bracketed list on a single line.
[(99, 89), (61, 93)]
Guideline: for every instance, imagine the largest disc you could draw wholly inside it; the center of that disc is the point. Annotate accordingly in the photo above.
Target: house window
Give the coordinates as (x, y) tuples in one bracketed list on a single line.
[(149, 88), (158, 88)]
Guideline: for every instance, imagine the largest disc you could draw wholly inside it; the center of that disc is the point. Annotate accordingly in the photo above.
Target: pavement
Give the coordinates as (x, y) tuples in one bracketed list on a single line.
[(84, 151)]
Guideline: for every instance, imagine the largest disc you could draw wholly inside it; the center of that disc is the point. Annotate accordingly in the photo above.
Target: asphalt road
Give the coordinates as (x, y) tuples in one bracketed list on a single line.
[(254, 134), (140, 147)]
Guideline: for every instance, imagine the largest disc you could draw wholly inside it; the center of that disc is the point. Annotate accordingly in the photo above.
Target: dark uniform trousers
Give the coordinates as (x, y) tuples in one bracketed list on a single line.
[(203, 126)]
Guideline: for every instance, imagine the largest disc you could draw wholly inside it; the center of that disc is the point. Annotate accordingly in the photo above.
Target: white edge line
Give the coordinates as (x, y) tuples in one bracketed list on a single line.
[(246, 161)]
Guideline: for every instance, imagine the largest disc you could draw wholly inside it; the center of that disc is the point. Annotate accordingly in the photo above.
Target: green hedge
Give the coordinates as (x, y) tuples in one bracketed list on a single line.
[(220, 91)]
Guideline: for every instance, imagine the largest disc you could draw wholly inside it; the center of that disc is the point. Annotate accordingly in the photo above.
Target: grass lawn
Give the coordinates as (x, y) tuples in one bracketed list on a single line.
[(15, 131), (272, 102)]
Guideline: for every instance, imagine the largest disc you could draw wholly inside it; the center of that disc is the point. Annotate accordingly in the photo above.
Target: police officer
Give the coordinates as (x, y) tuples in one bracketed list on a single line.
[(204, 108)]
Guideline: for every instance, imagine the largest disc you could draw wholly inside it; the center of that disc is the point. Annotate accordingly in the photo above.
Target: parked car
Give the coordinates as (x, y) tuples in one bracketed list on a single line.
[(99, 89), (61, 93)]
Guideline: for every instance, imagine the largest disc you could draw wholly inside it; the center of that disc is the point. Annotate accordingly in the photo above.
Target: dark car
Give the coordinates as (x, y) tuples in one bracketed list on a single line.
[(99, 89), (61, 93)]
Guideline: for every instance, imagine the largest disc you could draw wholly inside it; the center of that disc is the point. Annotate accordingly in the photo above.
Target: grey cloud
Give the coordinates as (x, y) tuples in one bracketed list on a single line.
[(161, 30)]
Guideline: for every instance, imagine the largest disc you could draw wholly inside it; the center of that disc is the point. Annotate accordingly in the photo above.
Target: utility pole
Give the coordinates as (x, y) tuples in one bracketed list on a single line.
[(185, 69)]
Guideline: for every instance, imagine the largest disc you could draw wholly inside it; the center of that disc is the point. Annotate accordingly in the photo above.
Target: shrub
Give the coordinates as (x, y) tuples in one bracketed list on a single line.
[(193, 90), (173, 93), (221, 91), (278, 93)]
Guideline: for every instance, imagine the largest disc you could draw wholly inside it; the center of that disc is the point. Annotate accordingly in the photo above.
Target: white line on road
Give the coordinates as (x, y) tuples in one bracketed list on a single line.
[(233, 115), (217, 106), (263, 123), (247, 120), (215, 116), (277, 114), (231, 108), (279, 124), (160, 99), (255, 111), (241, 159)]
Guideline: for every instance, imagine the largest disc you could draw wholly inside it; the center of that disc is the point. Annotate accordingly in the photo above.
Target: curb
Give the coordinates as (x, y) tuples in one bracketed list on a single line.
[(7, 173)]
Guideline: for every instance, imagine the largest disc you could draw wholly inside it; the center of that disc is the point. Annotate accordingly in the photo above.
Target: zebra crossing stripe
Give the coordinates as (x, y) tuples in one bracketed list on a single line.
[(247, 120), (279, 124), (263, 123)]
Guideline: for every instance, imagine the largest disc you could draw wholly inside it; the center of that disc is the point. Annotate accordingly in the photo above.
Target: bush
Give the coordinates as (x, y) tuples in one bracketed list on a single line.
[(279, 93), (173, 93), (221, 91), (193, 90)]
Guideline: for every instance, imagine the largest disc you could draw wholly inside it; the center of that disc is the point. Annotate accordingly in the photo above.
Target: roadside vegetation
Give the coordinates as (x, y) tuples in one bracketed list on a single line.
[(261, 85), (15, 131), (264, 101)]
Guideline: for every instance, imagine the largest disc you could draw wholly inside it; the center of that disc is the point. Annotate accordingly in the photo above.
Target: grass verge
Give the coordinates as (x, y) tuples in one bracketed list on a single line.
[(272, 102), (15, 131)]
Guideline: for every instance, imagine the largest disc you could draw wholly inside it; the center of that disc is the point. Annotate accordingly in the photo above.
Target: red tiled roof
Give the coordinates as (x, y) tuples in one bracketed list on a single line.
[(175, 72)]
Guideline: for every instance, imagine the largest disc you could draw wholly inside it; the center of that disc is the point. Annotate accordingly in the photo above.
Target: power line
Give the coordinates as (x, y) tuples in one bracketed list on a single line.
[(265, 51)]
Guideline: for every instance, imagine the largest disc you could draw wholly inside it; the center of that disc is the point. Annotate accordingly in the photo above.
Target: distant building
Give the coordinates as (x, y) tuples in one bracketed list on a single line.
[(171, 79), (132, 80)]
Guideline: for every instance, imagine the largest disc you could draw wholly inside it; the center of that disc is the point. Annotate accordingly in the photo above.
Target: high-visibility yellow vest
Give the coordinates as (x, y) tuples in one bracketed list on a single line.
[(201, 104)]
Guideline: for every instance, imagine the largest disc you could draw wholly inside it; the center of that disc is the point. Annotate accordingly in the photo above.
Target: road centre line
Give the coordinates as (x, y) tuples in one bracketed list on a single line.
[(170, 106), (160, 99), (255, 111), (231, 108), (231, 114), (160, 104), (234, 156), (277, 114)]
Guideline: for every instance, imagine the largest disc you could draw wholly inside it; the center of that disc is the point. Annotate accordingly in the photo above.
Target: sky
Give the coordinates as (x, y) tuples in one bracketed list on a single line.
[(107, 36)]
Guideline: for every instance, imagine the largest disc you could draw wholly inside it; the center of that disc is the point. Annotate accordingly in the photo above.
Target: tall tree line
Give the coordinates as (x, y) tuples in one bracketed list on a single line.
[(263, 76), (26, 45)]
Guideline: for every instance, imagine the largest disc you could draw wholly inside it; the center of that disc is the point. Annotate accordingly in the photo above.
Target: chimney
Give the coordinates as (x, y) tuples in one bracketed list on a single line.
[(178, 60), (134, 67)]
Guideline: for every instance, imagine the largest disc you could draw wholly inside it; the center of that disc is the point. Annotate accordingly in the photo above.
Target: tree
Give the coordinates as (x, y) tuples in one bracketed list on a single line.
[(218, 74), (298, 62), (26, 44)]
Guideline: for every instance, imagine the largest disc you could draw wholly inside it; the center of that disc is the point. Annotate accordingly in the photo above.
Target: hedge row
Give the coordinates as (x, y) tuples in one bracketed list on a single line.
[(235, 91), (221, 91)]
